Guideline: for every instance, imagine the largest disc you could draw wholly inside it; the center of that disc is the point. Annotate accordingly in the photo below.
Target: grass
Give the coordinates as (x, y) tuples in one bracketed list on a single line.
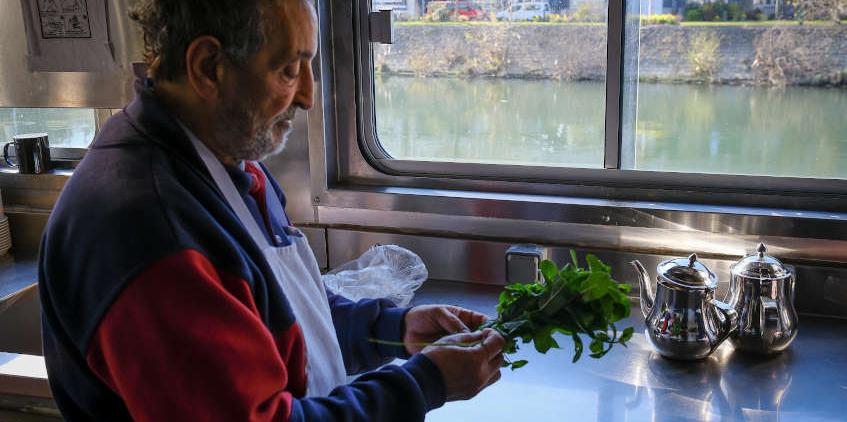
[(498, 23), (528, 23), (763, 23)]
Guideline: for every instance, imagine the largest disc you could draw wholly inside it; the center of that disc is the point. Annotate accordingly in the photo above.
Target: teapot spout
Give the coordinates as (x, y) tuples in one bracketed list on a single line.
[(645, 288)]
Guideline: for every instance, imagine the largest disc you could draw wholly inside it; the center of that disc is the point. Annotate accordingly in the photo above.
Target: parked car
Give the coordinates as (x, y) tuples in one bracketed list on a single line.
[(525, 11), (467, 9)]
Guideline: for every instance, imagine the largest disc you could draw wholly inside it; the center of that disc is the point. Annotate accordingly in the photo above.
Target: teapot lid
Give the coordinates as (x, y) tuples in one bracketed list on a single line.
[(688, 272), (760, 266)]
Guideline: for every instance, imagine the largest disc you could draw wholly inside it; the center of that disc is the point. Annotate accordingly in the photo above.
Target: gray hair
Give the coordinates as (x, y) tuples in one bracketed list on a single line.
[(169, 26)]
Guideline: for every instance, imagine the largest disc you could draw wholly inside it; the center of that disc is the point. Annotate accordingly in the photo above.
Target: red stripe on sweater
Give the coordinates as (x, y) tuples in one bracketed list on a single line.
[(183, 341), (292, 349)]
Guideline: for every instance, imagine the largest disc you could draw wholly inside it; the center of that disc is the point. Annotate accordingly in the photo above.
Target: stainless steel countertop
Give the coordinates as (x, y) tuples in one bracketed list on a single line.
[(807, 382), (18, 272)]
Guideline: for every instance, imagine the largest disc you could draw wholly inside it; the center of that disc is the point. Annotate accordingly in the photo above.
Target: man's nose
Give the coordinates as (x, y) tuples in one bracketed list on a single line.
[(304, 98)]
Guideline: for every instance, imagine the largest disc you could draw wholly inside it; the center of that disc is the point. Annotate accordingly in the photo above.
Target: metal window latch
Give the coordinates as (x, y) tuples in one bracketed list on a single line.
[(522, 261), (382, 26)]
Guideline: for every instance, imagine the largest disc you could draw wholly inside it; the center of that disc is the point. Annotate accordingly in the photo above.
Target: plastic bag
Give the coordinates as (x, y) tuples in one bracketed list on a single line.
[(384, 271)]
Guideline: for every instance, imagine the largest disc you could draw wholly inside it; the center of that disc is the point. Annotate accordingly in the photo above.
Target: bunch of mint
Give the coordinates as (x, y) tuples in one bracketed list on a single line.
[(572, 301)]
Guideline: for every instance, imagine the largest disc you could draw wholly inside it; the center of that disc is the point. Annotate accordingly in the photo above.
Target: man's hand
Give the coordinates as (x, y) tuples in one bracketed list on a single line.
[(427, 323), (469, 365)]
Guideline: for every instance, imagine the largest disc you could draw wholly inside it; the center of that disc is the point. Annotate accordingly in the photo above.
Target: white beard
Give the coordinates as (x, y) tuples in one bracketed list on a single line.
[(236, 121)]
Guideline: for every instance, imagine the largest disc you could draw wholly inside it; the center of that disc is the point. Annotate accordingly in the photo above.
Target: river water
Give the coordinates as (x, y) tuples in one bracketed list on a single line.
[(800, 132)]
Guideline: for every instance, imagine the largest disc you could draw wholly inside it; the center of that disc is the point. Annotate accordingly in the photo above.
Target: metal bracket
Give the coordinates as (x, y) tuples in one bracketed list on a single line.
[(382, 26), (522, 262)]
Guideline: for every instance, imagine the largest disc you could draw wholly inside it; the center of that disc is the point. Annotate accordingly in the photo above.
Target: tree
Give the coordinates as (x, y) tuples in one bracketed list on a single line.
[(818, 10)]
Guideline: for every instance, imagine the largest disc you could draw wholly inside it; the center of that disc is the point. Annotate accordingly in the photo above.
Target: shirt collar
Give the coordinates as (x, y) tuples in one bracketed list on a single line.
[(240, 177)]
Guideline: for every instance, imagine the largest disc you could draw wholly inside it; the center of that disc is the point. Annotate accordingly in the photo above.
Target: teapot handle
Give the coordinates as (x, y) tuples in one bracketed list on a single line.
[(768, 318), (792, 281), (731, 297), (729, 318)]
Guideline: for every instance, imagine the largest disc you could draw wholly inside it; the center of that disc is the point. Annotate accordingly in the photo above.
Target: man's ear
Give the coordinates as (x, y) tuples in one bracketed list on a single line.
[(204, 64)]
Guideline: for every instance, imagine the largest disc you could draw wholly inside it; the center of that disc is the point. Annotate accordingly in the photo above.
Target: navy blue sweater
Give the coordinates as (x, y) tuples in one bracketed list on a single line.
[(158, 306)]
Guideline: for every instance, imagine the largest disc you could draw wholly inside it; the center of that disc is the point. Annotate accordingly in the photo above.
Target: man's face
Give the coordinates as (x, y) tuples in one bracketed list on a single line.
[(258, 100)]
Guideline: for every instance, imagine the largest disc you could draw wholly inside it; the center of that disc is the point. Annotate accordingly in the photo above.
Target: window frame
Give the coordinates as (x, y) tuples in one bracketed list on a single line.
[(347, 157)]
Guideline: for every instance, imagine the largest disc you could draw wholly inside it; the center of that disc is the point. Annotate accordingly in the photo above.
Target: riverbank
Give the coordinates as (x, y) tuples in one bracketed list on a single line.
[(723, 54)]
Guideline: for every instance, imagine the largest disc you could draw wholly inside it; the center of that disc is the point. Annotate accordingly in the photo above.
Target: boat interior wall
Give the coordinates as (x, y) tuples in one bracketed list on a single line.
[(108, 87), (820, 289), (20, 324), (460, 225)]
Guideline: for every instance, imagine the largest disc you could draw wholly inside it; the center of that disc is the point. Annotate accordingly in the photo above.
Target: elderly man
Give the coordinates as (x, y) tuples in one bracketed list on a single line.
[(174, 287)]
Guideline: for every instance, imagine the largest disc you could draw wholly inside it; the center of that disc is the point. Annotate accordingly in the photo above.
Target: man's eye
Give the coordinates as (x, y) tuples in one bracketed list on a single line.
[(291, 71)]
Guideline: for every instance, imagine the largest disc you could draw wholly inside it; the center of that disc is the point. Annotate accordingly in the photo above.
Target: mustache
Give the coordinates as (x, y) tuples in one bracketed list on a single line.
[(287, 115)]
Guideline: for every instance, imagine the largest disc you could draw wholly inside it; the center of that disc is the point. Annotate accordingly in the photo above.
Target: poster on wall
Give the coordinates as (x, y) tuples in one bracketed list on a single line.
[(68, 36), (64, 18)]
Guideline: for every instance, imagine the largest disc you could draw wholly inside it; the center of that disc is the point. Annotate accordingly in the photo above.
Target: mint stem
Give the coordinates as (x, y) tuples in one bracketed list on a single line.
[(424, 344)]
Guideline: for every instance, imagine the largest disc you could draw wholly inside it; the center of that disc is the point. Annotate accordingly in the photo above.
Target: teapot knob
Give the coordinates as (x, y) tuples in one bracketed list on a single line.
[(761, 250), (691, 260)]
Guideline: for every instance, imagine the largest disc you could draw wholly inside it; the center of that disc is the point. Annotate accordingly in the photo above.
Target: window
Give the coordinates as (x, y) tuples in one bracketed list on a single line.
[(713, 98), (737, 98), (65, 127), (495, 83)]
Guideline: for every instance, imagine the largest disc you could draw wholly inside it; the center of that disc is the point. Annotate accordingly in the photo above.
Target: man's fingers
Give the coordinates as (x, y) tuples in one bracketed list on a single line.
[(493, 342), (474, 319), (497, 360), (450, 323), (494, 378), (470, 318), (461, 338)]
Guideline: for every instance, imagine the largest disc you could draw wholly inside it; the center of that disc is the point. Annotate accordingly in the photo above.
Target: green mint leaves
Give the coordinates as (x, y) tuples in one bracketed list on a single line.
[(572, 301)]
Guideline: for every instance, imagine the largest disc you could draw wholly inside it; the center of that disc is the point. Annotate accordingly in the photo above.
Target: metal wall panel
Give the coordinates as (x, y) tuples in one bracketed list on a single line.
[(20, 325), (19, 87), (471, 219), (479, 261), (820, 290), (27, 201), (446, 259), (26, 228)]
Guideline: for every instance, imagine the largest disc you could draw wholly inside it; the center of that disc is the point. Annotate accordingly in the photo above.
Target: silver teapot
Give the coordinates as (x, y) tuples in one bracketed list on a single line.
[(761, 290), (682, 317)]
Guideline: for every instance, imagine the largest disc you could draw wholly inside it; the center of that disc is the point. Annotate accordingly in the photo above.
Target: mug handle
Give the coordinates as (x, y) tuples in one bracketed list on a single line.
[(6, 154), (39, 164)]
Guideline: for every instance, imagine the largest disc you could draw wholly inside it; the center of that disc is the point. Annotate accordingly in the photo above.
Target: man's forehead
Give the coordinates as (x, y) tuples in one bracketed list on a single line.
[(297, 10), (292, 25)]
